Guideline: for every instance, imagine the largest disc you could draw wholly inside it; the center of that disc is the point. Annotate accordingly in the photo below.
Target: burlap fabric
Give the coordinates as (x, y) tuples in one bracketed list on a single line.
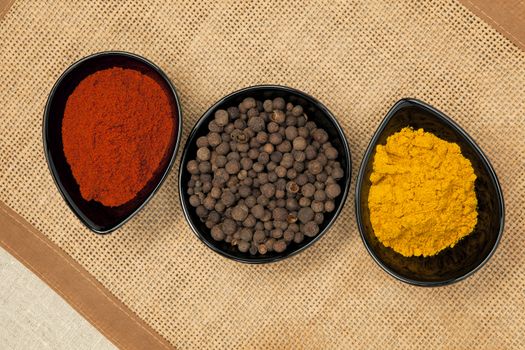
[(357, 58)]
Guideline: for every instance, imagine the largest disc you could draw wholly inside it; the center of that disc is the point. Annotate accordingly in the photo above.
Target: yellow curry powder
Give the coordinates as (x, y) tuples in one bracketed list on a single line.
[(422, 198)]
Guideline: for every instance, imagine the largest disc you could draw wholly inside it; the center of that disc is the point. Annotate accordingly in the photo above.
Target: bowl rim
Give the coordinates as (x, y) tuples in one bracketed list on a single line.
[(201, 122), (51, 166), (360, 178)]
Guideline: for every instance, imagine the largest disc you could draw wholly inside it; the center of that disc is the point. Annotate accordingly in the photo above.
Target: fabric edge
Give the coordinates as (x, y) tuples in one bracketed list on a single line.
[(75, 285), (5, 5), (501, 20)]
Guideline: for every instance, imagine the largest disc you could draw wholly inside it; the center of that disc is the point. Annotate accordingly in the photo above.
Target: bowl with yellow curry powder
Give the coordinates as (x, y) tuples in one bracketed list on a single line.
[(428, 203), (111, 130)]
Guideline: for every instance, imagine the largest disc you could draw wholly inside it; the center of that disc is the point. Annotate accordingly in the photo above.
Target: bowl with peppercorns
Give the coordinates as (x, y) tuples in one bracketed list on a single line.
[(264, 174)]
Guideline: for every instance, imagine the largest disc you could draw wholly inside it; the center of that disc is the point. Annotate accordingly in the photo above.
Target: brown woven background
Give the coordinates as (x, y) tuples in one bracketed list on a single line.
[(356, 57)]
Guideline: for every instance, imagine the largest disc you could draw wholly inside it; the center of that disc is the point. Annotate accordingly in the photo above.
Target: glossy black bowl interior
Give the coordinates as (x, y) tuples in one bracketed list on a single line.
[(452, 264), (316, 112), (99, 218)]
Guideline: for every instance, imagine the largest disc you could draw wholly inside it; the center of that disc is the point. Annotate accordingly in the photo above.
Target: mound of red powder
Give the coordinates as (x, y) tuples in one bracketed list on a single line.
[(117, 128)]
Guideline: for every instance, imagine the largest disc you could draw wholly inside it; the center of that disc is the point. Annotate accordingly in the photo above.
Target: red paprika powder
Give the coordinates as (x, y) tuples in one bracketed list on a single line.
[(117, 128)]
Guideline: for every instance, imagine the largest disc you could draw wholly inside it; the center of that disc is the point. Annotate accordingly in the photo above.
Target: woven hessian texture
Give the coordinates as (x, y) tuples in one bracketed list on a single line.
[(358, 59)]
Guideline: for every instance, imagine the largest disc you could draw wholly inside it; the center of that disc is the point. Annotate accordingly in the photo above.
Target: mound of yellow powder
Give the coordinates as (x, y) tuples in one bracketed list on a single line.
[(422, 198)]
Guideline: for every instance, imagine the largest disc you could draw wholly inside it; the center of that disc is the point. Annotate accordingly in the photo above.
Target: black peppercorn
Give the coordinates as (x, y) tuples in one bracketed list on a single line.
[(213, 139), (291, 133), (263, 201), (333, 190), (259, 236), (221, 118), (279, 246), (229, 226), (268, 190), (243, 246), (221, 161), (209, 203), (331, 153), (310, 152), (262, 137), (249, 102), (233, 112), (279, 103), (194, 200), (250, 201), (228, 198), (318, 218), (315, 167), (329, 206), (301, 179), (278, 116), (304, 202), (310, 229), (317, 206), (297, 111), (322, 177), (268, 148), (203, 154), (256, 123), (202, 142), (280, 214), (216, 192), (284, 146), (280, 171), (320, 135), (292, 187), (244, 191), (257, 210), (217, 233), (276, 233), (204, 167), (288, 235), (268, 106), (291, 218), (193, 167), (221, 176), (201, 211), (275, 138), (308, 190), (310, 125), (253, 249), (303, 132), (240, 212), (280, 194), (292, 204), (298, 237), (276, 157), (299, 144), (337, 173), (258, 167), (272, 176), (305, 214), (233, 167), (250, 221)]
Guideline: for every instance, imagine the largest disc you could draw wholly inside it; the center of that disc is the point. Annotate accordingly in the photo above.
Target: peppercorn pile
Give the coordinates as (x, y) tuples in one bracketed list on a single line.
[(263, 176)]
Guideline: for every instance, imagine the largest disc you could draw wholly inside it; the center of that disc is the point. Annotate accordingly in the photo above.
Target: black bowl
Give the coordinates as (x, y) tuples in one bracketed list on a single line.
[(316, 112), (466, 257), (99, 218)]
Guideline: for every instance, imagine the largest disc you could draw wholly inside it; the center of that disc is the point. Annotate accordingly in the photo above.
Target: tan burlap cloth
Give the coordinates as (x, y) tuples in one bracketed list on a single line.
[(358, 59)]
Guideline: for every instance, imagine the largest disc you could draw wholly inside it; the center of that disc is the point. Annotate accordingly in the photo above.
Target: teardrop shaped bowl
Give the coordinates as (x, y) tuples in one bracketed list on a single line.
[(97, 217), (473, 251)]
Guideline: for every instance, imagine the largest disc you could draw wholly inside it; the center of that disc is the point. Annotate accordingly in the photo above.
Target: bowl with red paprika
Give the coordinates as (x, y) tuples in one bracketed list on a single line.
[(111, 130)]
